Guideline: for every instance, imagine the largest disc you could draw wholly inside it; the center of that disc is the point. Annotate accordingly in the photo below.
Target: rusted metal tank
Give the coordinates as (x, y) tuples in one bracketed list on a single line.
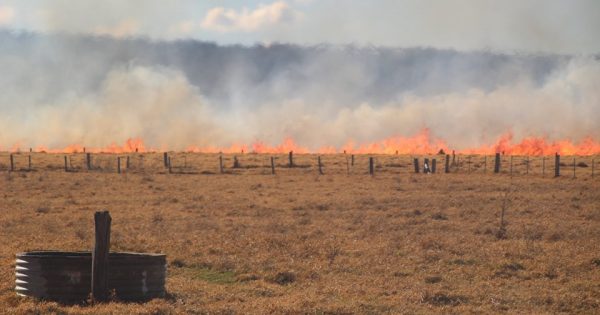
[(66, 276)]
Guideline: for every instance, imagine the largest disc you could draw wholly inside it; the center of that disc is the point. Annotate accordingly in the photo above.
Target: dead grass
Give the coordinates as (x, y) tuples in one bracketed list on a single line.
[(250, 242)]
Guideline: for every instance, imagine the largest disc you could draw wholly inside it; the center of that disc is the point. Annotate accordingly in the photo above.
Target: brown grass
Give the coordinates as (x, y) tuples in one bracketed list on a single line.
[(297, 242)]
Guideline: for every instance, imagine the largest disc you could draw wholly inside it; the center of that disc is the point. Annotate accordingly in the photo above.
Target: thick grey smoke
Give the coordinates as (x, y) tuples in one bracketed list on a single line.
[(58, 90)]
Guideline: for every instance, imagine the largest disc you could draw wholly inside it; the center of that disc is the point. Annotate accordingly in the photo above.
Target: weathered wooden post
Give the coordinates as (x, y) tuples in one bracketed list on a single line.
[(166, 159), (272, 166), (485, 164), (543, 166), (497, 163), (556, 165), (416, 164), (100, 257), (371, 167), (29, 162), (352, 160), (574, 167), (118, 165), (291, 159), (88, 161), (12, 163), (433, 165), (221, 164), (320, 165), (127, 163), (469, 162), (447, 166), (453, 158), (236, 163), (66, 165)]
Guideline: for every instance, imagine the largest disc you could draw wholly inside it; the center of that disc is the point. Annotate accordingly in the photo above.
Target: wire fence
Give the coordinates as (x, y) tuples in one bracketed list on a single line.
[(272, 164)]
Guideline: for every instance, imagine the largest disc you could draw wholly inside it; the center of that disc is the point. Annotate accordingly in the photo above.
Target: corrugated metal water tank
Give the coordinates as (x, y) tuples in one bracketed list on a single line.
[(66, 276)]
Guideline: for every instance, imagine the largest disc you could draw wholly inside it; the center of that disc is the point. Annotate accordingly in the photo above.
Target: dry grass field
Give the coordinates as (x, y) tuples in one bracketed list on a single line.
[(250, 242)]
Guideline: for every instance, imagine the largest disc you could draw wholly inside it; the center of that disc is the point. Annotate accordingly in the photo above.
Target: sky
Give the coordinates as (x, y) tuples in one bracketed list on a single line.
[(533, 26)]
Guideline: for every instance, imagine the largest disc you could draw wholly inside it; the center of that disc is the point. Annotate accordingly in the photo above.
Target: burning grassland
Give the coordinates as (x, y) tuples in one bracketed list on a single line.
[(251, 242)]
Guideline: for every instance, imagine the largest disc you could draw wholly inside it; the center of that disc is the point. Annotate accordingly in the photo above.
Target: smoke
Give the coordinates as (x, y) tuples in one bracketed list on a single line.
[(59, 90)]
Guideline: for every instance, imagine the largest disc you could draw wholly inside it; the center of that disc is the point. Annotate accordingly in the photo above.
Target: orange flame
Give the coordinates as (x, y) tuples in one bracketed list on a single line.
[(420, 144)]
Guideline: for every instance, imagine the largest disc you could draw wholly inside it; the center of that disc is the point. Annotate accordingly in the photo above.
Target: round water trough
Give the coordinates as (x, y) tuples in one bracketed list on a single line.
[(66, 276)]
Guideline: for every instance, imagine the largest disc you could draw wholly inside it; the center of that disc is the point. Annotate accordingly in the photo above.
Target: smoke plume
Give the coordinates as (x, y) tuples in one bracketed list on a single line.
[(59, 90)]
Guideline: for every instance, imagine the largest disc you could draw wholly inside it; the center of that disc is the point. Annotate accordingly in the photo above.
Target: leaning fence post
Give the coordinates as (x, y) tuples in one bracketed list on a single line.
[(371, 168), (12, 163), (557, 165), (416, 164), (291, 158), (272, 166), (100, 257), (66, 165), (447, 167), (433, 165)]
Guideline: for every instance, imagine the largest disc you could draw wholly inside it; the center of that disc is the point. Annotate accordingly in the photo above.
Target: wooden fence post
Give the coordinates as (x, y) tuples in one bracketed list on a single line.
[(352, 160), (169, 164), (574, 167), (127, 163), (236, 163), (556, 165), (12, 163), (543, 166), (118, 165), (469, 163), (320, 165), (66, 165), (497, 163), (29, 162), (272, 166), (371, 167), (291, 159), (100, 257), (166, 159), (221, 164), (416, 165), (88, 161), (433, 165), (453, 158), (447, 167), (485, 164)]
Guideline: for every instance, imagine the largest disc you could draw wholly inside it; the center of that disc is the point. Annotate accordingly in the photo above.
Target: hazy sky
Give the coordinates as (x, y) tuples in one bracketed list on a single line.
[(508, 25)]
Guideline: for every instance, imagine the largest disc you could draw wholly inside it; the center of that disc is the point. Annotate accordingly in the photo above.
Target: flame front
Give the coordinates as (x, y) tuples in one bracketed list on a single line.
[(420, 144)]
